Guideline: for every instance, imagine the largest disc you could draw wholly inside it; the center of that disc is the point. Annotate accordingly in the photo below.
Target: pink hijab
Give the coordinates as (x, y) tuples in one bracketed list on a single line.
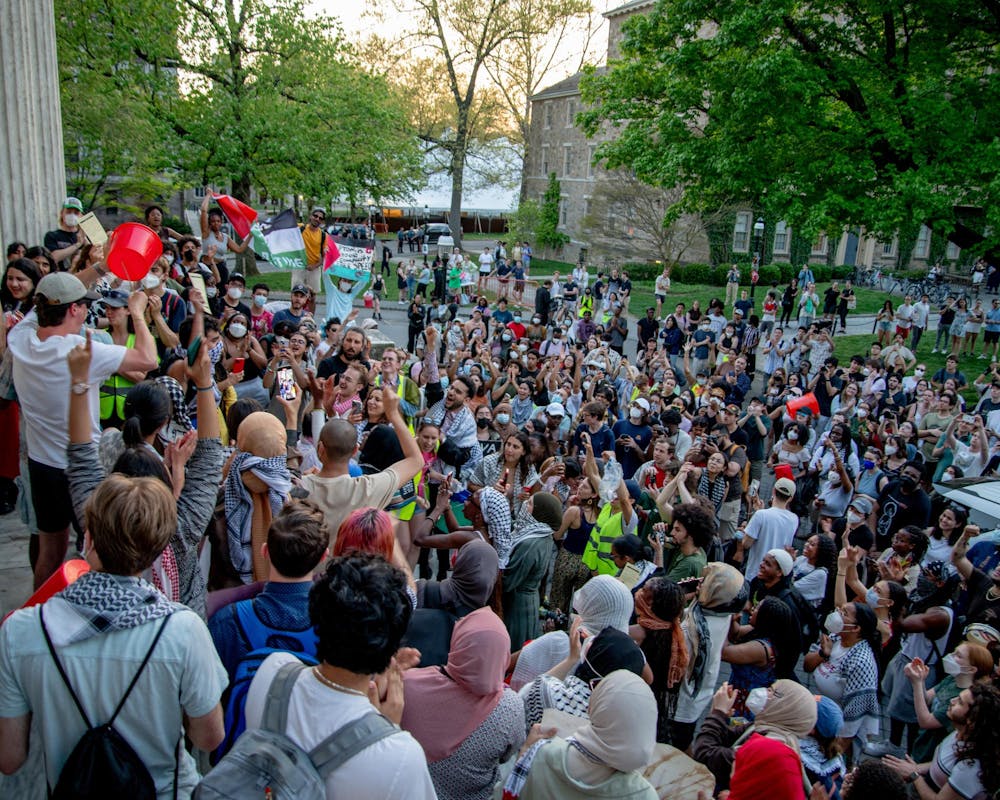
[(444, 705)]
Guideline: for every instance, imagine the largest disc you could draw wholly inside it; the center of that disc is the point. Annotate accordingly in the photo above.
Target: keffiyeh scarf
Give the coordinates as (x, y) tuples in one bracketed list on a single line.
[(98, 602), (239, 503)]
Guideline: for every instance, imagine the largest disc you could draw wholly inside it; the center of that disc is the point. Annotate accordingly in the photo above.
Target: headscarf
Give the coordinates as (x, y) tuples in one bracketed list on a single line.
[(604, 601), (496, 515), (473, 576), (539, 656), (723, 592), (790, 714), (442, 707), (766, 769), (648, 619), (610, 651), (621, 733)]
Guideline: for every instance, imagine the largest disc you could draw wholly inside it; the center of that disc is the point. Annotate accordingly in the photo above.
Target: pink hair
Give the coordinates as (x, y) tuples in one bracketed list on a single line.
[(368, 530)]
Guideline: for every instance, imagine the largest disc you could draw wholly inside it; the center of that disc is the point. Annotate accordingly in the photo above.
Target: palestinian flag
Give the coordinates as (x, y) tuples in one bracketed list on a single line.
[(279, 240), (239, 214)]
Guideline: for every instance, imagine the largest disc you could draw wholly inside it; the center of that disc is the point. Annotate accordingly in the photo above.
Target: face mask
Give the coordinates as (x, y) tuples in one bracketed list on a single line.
[(866, 372), (833, 477), (586, 385), (793, 436), (635, 414), (260, 300), (444, 381), (834, 622), (71, 219), (482, 423), (502, 419), (535, 320), (212, 291), (216, 352), (891, 449), (705, 327), (868, 464), (952, 667), (506, 337), (872, 598), (948, 476), (862, 413), (517, 318), (908, 483), (235, 293), (774, 392), (919, 373), (523, 348), (756, 700), (151, 281), (187, 255), (237, 330)]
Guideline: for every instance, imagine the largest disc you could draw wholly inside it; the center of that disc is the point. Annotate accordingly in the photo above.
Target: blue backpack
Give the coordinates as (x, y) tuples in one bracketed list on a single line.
[(263, 640)]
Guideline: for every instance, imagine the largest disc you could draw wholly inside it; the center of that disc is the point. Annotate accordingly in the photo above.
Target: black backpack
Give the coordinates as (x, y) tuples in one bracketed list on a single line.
[(103, 764), (431, 627), (809, 628)]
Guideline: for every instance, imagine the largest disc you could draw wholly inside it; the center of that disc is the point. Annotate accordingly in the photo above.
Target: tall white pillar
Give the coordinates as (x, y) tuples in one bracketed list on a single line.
[(32, 173)]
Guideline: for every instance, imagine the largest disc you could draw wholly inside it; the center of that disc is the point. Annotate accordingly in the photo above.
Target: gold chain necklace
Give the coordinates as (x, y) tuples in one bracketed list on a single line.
[(334, 685)]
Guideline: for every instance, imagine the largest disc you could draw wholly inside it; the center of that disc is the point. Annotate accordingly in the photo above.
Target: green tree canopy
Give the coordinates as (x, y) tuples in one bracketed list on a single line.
[(823, 114)]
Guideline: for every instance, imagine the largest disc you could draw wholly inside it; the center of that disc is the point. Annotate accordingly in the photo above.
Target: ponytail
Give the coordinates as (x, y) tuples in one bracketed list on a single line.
[(147, 408)]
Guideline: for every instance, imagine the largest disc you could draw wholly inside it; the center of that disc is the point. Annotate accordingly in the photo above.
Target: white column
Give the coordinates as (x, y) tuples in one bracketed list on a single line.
[(32, 173)]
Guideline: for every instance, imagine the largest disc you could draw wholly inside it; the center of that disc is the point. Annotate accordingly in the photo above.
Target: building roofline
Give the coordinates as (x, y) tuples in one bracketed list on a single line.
[(628, 8)]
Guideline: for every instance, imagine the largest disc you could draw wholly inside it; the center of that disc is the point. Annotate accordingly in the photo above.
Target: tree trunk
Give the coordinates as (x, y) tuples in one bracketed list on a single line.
[(457, 179), (246, 262)]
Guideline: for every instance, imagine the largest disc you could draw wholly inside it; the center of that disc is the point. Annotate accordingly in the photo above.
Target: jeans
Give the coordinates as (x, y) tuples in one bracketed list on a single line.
[(915, 334), (943, 330)]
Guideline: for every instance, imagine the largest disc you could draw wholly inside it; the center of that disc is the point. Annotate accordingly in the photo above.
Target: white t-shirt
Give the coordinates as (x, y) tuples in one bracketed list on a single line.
[(770, 528), (486, 262), (392, 767), (41, 377)]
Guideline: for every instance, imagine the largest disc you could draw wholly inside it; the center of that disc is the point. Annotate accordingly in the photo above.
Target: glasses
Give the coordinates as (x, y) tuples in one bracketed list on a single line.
[(318, 216)]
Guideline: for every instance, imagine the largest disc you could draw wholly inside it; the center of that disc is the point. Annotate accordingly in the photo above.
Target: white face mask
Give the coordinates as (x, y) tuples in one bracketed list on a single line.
[(891, 449), (793, 436), (635, 414), (234, 293), (853, 517), (834, 622), (952, 667), (756, 700), (212, 291), (151, 281), (833, 477), (71, 220), (237, 330), (862, 413), (919, 373)]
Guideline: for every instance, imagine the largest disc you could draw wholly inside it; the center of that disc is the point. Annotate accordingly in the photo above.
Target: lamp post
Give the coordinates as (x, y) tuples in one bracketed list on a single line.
[(758, 248), (427, 213)]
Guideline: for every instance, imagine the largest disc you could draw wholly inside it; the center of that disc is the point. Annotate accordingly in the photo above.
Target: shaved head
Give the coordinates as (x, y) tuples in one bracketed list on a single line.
[(339, 439)]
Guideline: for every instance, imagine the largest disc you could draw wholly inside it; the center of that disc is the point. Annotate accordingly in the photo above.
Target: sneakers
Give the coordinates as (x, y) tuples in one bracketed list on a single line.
[(934, 350)]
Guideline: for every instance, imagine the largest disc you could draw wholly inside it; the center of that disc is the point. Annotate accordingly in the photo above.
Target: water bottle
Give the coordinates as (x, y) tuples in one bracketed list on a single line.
[(608, 488)]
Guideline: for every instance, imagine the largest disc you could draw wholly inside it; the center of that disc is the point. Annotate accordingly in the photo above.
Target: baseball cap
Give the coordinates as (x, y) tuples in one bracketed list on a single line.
[(732, 408), (238, 276), (61, 288), (300, 288), (116, 299), (318, 210), (784, 560), (643, 403), (555, 410), (738, 311), (73, 202), (862, 505), (785, 487)]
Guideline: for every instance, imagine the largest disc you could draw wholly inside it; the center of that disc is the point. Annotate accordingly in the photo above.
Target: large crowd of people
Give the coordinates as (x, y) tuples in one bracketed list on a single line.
[(521, 556)]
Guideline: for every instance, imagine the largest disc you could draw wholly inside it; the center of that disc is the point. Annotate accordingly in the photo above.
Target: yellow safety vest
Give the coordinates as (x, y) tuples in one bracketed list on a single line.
[(114, 390)]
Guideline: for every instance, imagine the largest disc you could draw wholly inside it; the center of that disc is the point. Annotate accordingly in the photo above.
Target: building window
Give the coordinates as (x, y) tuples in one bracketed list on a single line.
[(563, 209), (923, 246), (820, 245), (741, 233), (567, 160), (889, 249), (586, 207), (547, 111), (782, 235), (545, 160), (951, 252), (570, 112), (199, 191), (591, 153)]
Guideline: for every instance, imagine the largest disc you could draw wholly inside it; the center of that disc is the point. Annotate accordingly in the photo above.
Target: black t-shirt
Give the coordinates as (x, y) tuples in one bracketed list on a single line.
[(861, 536), (647, 329), (823, 397), (59, 240), (981, 607), (897, 510), (220, 307), (335, 365)]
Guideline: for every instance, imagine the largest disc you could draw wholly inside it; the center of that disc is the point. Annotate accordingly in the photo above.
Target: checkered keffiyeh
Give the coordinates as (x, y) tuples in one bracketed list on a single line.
[(519, 775), (239, 503), (98, 602)]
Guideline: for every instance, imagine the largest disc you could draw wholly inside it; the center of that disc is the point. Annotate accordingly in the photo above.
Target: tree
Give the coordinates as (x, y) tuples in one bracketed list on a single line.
[(522, 222), (823, 114), (547, 230)]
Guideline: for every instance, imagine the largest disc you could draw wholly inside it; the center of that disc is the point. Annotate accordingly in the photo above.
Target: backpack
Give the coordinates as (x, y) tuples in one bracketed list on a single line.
[(265, 762), (259, 637), (809, 628), (431, 627), (103, 764)]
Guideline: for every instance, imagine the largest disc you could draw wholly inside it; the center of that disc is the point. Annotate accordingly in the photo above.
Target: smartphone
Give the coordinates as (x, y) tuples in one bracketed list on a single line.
[(192, 351), (287, 390), (356, 407), (968, 419), (93, 228), (237, 365), (198, 282)]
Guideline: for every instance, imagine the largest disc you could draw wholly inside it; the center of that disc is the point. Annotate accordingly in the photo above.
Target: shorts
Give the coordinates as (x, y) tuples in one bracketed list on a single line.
[(885, 325), (661, 297), (50, 497), (518, 286), (310, 277), (904, 332), (991, 337)]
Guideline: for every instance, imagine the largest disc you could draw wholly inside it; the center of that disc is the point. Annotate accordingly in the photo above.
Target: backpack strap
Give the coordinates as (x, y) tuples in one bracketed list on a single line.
[(275, 716), (69, 686), (343, 744), (254, 631)]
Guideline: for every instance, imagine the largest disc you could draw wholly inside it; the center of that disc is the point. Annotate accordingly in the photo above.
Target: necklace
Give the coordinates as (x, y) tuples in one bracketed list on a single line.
[(334, 685), (992, 594)]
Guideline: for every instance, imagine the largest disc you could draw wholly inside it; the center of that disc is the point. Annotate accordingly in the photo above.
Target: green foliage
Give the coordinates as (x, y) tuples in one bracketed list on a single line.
[(547, 231), (523, 221), (769, 273), (824, 114)]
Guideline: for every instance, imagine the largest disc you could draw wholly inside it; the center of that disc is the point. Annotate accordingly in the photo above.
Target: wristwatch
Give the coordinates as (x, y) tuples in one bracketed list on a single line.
[(913, 777), (81, 388)]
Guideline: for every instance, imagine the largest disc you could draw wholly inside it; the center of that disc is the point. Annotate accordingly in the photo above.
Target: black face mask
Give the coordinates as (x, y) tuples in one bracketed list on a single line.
[(908, 483), (188, 255), (482, 423)]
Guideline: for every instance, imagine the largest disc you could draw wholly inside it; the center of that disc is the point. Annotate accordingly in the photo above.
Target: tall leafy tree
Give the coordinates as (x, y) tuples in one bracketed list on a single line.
[(547, 229), (824, 114)]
